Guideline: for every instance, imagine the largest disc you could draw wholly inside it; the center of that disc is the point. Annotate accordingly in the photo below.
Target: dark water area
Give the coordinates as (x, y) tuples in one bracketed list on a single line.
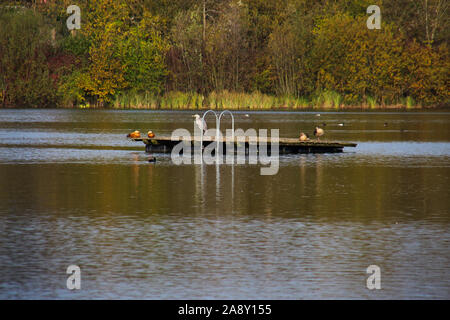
[(74, 190)]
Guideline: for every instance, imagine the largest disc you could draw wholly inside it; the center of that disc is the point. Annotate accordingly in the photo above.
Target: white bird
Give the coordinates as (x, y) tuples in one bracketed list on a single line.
[(201, 124)]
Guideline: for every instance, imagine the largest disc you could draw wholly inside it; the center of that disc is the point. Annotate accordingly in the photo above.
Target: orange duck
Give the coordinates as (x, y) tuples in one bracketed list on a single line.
[(303, 137), (134, 135), (150, 134)]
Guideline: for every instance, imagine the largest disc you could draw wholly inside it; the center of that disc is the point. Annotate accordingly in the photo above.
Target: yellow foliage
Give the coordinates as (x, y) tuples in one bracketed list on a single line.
[(104, 27), (357, 60)]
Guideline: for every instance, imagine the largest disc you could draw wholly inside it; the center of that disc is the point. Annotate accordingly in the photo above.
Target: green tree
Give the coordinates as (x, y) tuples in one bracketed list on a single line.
[(106, 22), (24, 73), (142, 52)]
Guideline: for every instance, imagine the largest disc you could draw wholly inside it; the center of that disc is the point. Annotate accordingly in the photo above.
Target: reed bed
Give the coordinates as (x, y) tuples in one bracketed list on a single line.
[(176, 100)]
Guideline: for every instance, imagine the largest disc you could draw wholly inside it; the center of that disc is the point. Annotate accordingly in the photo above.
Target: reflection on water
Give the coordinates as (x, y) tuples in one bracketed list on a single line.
[(74, 191)]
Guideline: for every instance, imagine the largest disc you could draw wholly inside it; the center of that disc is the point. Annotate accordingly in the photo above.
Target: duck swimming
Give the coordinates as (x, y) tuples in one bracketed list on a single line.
[(150, 134)]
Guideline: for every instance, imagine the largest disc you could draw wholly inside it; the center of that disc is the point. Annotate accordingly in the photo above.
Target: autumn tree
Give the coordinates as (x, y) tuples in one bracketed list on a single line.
[(186, 57), (24, 73), (424, 20), (428, 73), (292, 48), (356, 61), (142, 52), (105, 22), (227, 48)]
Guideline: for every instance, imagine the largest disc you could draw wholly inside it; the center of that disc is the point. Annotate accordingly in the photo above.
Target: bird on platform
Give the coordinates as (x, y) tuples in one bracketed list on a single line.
[(303, 137), (134, 135), (150, 134), (318, 132), (200, 123)]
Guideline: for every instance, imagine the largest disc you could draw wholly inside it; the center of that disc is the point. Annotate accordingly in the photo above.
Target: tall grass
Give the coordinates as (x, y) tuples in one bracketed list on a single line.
[(371, 102), (408, 102), (176, 100), (129, 100), (327, 99)]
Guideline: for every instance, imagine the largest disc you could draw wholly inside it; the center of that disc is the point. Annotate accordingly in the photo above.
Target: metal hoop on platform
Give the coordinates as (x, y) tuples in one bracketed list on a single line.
[(218, 127)]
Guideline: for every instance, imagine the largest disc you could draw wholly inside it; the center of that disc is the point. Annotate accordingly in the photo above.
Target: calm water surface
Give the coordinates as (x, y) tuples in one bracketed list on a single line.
[(74, 190)]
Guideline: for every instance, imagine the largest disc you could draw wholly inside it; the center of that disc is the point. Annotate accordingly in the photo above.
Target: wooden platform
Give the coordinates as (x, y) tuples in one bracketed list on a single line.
[(164, 144)]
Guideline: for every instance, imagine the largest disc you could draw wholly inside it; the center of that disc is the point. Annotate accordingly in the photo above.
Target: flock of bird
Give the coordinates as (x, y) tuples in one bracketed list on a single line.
[(137, 135), (318, 132), (201, 124)]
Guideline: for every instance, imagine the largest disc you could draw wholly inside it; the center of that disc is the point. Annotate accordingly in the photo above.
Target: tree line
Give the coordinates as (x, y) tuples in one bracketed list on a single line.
[(219, 53)]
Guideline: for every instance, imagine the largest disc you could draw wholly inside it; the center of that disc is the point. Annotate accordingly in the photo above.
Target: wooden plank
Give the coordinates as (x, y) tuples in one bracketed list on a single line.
[(282, 141)]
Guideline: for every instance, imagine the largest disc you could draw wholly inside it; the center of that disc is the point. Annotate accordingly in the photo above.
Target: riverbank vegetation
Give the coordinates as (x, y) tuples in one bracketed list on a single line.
[(234, 54)]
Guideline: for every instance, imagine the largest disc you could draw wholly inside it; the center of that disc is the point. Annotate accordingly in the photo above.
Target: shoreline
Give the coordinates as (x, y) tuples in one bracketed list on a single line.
[(394, 108)]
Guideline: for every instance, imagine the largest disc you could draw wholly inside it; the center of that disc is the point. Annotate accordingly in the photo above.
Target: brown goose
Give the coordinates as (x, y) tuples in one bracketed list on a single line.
[(318, 132)]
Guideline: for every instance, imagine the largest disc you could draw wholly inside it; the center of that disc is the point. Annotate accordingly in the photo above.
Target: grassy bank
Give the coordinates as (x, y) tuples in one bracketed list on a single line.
[(253, 101)]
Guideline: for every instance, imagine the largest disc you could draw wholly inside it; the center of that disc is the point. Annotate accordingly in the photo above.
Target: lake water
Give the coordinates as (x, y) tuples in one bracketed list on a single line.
[(75, 191)]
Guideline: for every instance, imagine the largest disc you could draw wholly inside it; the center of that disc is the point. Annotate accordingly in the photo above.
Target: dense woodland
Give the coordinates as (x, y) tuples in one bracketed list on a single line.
[(224, 54)]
